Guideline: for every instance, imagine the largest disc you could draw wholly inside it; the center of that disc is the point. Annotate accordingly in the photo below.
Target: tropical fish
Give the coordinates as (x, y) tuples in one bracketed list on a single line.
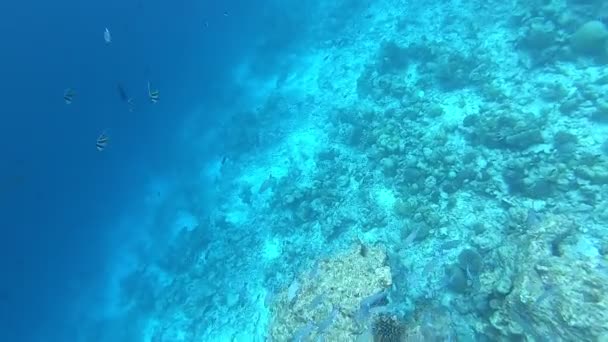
[(122, 93), (328, 321), (68, 95), (303, 333), (154, 95), (102, 142), (411, 236), (124, 97), (107, 36), (267, 184), (293, 290), (315, 302)]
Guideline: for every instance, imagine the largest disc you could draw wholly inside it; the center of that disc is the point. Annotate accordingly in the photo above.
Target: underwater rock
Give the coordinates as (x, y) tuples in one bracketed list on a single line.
[(596, 174), (504, 285), (505, 131), (540, 34), (365, 82), (344, 282), (570, 105), (538, 182), (517, 217), (392, 58), (601, 111), (478, 227), (328, 154), (514, 175), (565, 142), (416, 232), (470, 260), (456, 279), (556, 297), (462, 177), (604, 147), (470, 120), (454, 70), (389, 144), (434, 110), (590, 38), (412, 174), (304, 212), (355, 136), (525, 139), (406, 208), (388, 166)]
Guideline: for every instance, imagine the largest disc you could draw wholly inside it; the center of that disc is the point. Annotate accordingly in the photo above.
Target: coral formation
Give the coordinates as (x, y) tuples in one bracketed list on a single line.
[(590, 38), (343, 282), (462, 148), (555, 294)]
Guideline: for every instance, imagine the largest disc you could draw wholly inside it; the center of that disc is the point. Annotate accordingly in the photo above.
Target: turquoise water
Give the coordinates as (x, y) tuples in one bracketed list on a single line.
[(304, 171)]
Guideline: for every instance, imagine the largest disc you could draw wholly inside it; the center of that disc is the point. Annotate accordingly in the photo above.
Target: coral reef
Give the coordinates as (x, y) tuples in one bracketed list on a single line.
[(556, 293), (462, 149), (329, 301)]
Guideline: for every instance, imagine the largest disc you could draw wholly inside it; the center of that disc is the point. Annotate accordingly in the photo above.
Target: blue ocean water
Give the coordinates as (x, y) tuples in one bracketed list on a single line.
[(346, 170)]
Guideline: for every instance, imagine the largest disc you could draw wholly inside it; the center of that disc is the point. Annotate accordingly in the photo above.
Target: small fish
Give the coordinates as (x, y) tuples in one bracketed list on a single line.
[(548, 291), (269, 299), (293, 290), (124, 97), (206, 24), (316, 301), (303, 333), (225, 13), (68, 95), (533, 219), (411, 237), (102, 142), (328, 321), (154, 95), (122, 93), (107, 36), (267, 184)]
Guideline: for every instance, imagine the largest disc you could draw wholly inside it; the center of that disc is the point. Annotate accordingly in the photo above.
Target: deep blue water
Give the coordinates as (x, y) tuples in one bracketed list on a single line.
[(58, 196)]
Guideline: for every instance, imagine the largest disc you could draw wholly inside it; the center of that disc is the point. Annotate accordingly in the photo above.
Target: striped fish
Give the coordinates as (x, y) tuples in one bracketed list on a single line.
[(68, 95), (102, 142), (154, 95)]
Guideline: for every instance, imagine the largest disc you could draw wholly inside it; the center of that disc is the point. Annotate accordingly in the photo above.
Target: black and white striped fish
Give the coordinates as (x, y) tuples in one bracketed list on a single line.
[(154, 95), (102, 142), (68, 95)]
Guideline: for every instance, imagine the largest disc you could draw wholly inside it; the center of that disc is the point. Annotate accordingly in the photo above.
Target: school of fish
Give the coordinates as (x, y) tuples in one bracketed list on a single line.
[(153, 94)]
